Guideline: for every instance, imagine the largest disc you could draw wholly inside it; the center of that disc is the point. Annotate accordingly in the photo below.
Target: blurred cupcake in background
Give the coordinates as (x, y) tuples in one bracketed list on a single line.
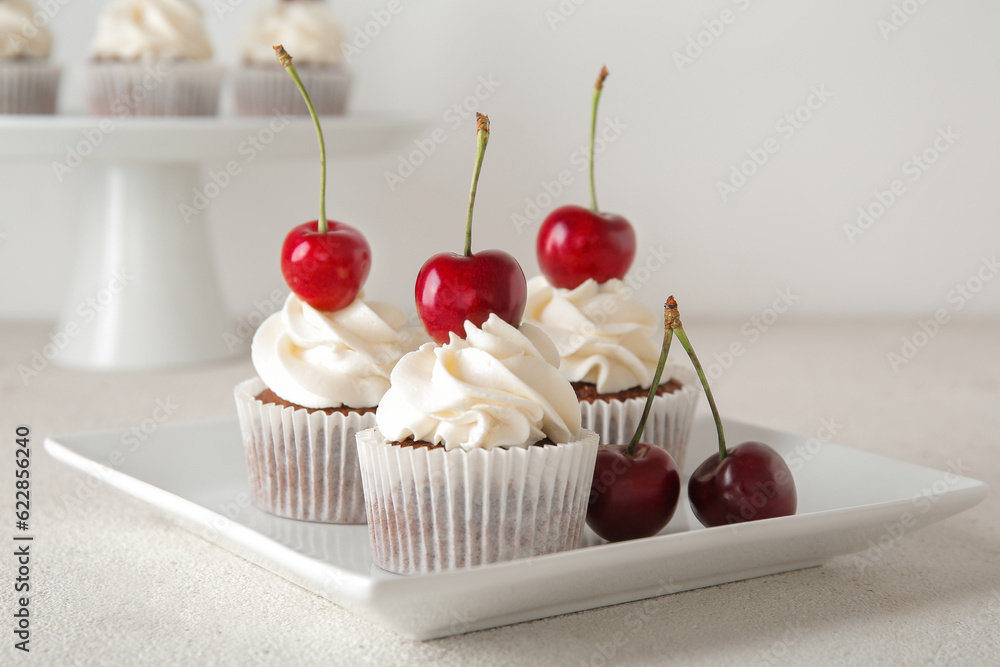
[(152, 58), (307, 29), (29, 83)]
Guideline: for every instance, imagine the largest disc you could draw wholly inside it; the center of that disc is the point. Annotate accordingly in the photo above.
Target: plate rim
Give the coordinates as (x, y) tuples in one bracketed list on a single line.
[(364, 593)]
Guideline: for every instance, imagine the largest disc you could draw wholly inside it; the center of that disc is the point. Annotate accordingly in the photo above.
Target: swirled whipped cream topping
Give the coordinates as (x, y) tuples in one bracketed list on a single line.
[(603, 335), (151, 30), (306, 28), (332, 359), (20, 37), (497, 387)]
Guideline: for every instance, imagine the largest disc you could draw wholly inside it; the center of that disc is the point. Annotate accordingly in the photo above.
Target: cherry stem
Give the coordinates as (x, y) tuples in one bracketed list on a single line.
[(682, 337), (668, 334), (482, 138), (598, 87), (286, 61)]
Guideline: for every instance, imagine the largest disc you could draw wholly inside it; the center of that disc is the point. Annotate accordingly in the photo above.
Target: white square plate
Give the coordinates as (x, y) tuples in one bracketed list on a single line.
[(849, 500)]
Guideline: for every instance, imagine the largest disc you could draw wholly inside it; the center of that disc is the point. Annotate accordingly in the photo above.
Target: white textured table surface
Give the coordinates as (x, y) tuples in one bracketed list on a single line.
[(115, 582)]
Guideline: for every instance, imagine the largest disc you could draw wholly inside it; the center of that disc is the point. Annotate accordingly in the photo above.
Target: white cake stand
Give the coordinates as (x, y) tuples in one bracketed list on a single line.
[(144, 292)]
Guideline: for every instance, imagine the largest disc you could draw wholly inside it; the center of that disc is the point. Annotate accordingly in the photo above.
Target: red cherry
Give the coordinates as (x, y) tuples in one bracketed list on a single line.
[(575, 244), (632, 497), (753, 482), (325, 263), (636, 486), (452, 288), (744, 483), (325, 270)]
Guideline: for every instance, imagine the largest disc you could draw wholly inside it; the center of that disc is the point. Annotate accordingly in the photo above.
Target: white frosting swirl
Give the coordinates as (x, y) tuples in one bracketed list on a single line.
[(603, 335), (20, 37), (306, 28), (499, 386), (323, 359), (151, 30)]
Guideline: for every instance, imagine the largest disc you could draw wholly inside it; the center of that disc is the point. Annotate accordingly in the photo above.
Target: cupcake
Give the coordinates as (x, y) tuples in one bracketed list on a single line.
[(478, 455), (608, 349), (152, 58), (324, 363), (29, 84), (321, 376), (308, 30)]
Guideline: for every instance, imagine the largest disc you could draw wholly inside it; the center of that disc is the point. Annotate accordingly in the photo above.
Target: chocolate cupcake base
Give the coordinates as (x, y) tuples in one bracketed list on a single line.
[(302, 463), (156, 88), (432, 510), (266, 90), (28, 87)]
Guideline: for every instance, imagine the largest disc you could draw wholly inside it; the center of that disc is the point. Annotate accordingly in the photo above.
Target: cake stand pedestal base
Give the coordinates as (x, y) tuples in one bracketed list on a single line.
[(144, 292)]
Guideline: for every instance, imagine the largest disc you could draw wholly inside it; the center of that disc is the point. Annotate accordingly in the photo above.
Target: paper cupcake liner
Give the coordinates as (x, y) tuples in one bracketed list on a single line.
[(431, 510), (160, 88), (263, 91), (670, 418), (303, 464), (28, 87)]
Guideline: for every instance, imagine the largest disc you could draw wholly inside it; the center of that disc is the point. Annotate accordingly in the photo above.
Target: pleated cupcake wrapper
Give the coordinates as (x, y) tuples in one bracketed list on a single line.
[(303, 464), (431, 510), (28, 87), (264, 91), (670, 418), (160, 88)]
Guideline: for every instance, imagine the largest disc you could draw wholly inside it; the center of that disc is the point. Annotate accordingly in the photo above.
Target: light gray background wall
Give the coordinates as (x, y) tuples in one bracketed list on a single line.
[(886, 95)]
